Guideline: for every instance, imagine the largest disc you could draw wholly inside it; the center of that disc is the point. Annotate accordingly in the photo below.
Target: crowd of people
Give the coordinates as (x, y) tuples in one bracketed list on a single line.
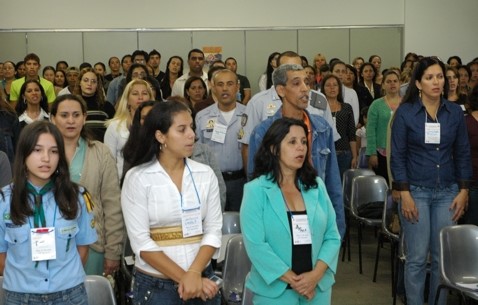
[(175, 149)]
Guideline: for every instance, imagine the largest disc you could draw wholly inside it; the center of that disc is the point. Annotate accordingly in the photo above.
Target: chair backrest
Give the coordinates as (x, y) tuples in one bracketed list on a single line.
[(236, 266), (347, 179), (390, 215), (2, 292), (99, 291), (458, 250), (368, 189), (231, 223), (97, 129)]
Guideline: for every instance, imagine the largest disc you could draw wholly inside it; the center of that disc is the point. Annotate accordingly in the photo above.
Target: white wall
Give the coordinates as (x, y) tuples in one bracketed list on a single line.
[(439, 27), (197, 13), (442, 28)]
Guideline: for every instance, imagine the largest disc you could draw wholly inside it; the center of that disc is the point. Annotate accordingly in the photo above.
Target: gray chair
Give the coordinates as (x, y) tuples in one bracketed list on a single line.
[(99, 291), (236, 266), (367, 190), (2, 292), (347, 179), (231, 223), (458, 263), (390, 211), (247, 294)]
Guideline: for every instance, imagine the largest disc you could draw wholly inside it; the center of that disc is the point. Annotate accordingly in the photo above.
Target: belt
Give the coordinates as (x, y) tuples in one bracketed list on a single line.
[(172, 236), (233, 175)]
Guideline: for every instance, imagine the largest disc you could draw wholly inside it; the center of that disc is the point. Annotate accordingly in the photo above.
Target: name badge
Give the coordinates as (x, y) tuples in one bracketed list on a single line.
[(432, 133), (219, 133), (191, 222), (43, 244), (300, 230)]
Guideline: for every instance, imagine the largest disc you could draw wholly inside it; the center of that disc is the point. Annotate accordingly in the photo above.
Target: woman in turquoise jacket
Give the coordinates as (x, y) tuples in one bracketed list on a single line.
[(288, 222)]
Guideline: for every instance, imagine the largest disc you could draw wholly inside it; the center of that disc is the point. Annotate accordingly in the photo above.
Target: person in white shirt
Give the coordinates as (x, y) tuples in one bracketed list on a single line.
[(196, 65), (172, 212)]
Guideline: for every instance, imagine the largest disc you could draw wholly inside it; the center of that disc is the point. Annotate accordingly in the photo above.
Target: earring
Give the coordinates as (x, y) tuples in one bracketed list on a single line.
[(165, 145), (419, 93), (25, 101)]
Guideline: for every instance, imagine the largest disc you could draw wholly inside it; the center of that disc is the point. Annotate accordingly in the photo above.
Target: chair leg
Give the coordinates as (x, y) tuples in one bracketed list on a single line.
[(438, 293), (348, 245), (393, 254), (377, 255), (360, 246), (344, 243)]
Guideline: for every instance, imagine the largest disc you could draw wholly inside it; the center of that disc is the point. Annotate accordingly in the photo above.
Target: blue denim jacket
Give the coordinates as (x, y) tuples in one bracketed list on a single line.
[(429, 165), (324, 159)]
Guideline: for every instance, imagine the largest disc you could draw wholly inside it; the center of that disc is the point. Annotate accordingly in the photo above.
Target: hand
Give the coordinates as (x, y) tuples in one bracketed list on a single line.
[(110, 266), (190, 286), (353, 164), (395, 196), (306, 283), (373, 161), (459, 204), (209, 289), (408, 207)]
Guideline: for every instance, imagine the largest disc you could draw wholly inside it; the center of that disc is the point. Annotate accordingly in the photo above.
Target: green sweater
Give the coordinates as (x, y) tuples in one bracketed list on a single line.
[(378, 116)]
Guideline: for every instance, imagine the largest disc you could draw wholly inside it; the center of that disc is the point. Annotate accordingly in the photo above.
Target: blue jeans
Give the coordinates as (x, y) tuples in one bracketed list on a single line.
[(422, 238), (344, 160), (73, 296), (153, 290)]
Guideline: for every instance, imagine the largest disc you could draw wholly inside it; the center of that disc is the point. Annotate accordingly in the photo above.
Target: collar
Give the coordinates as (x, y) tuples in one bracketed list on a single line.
[(25, 118), (418, 106)]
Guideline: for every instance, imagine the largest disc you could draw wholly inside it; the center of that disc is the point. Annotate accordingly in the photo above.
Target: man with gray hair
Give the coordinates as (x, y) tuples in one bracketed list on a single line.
[(292, 86)]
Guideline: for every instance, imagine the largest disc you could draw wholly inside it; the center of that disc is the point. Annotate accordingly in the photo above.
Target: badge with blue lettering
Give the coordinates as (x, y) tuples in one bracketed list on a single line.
[(300, 230)]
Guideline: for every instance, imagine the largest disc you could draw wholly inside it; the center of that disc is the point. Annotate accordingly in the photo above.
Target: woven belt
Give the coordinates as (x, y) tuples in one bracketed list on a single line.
[(172, 236)]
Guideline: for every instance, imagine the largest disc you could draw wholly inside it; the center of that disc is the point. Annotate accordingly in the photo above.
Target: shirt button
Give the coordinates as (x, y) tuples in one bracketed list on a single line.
[(438, 148), (46, 280), (438, 165)]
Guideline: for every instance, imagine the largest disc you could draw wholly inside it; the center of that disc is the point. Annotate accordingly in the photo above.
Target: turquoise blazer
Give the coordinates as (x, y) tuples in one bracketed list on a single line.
[(268, 239)]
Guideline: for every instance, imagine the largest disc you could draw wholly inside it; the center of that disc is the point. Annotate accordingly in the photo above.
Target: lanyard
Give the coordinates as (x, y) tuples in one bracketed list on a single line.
[(195, 189)]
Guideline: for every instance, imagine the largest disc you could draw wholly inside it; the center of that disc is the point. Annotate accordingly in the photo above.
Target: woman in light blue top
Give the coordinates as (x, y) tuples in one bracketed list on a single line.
[(46, 225), (288, 222)]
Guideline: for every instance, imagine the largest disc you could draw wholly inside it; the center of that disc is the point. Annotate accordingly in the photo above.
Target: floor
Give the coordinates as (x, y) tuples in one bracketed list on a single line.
[(353, 288)]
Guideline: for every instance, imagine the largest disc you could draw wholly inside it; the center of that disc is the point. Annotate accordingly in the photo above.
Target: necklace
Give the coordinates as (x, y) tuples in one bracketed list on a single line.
[(393, 105)]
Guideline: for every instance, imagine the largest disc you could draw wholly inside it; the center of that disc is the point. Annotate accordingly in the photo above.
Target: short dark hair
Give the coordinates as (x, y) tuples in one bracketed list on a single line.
[(138, 53), (124, 57), (212, 70), (457, 58), (194, 51), (266, 160), (32, 56), (154, 52)]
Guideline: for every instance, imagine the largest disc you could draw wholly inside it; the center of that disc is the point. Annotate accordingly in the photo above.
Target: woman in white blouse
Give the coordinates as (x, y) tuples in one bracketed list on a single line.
[(136, 92), (172, 212)]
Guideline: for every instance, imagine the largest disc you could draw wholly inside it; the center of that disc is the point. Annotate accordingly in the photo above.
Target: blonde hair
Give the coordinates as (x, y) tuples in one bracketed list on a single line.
[(122, 112)]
